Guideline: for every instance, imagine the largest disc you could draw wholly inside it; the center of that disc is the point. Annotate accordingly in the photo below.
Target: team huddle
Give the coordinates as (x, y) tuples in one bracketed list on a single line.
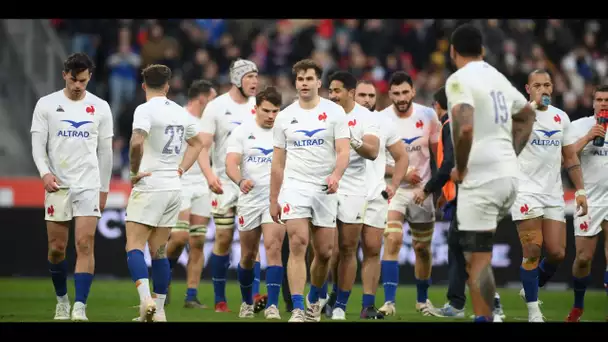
[(330, 174)]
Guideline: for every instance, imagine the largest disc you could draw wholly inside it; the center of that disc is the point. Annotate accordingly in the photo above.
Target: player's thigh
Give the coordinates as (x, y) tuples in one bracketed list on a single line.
[(371, 240), (554, 235), (198, 226), (223, 204), (324, 210), (480, 208), (376, 213), (250, 220), (171, 209), (137, 235), (58, 206), (400, 201), (274, 234), (57, 234), (351, 209), (298, 233)]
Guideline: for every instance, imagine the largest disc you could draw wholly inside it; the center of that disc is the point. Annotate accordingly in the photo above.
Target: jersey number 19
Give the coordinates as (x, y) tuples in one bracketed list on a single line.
[(176, 136), (501, 112)]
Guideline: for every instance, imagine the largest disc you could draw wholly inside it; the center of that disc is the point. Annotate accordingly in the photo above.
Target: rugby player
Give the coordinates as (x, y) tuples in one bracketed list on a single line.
[(419, 129), (352, 191), (248, 160), (160, 127), (220, 117), (195, 208), (72, 133), (311, 153), (486, 158), (539, 208), (365, 94), (587, 228)]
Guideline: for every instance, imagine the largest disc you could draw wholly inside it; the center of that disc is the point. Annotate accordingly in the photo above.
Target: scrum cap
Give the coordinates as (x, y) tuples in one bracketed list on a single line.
[(240, 68)]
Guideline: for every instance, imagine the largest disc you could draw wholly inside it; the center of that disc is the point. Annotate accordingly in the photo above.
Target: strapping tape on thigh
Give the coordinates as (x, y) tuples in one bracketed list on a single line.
[(224, 222), (198, 229), (182, 226), (393, 227), (422, 235)]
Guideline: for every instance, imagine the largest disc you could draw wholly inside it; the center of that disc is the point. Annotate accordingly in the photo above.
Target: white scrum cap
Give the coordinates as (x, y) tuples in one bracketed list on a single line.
[(240, 68)]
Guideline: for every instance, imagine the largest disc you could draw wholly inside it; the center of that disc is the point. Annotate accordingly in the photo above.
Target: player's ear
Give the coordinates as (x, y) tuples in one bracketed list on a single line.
[(483, 52), (527, 88), (319, 83), (64, 75), (167, 87), (351, 93)]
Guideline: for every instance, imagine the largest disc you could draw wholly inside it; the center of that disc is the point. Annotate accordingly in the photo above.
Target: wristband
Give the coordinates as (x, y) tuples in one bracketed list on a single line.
[(239, 182), (580, 192)]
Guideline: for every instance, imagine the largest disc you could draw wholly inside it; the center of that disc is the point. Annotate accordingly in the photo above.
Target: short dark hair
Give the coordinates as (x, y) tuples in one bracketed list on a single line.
[(198, 88), (441, 98), (366, 82), (537, 72), (348, 80), (400, 77), (156, 75), (270, 94), (467, 41), (77, 63), (601, 89), (306, 64)]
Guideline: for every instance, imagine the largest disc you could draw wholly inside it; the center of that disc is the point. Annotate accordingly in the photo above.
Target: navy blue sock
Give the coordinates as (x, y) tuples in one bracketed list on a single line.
[(313, 295), (298, 301), (422, 290), (483, 319), (82, 283), (369, 300), (219, 268), (390, 279), (274, 278), (245, 277), (342, 299), (137, 265), (161, 276), (546, 272), (172, 263), (580, 286), (323, 291), (191, 294), (59, 275), (606, 281), (334, 287), (257, 271), (529, 280)]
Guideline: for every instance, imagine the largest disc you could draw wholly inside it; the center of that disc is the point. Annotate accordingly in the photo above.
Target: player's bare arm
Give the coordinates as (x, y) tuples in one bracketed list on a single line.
[(400, 155), (104, 157), (136, 152), (233, 160), (195, 145), (276, 181), (575, 172), (522, 127), (214, 182), (370, 144), (342, 159), (462, 121), (595, 131)]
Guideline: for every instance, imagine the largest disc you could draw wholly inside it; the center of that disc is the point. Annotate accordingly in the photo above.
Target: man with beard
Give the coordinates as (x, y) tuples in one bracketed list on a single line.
[(365, 94), (419, 129)]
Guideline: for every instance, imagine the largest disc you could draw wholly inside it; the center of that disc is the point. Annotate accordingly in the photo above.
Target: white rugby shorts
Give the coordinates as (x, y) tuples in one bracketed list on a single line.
[(528, 206), (403, 202), (197, 199), (65, 204), (376, 212), (154, 208), (590, 224), (320, 207), (480, 208), (351, 208)]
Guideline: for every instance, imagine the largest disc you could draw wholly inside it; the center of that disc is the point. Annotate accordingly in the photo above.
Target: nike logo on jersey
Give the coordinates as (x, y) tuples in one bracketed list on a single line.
[(263, 150), (548, 134), (310, 133), (77, 124), (409, 141)]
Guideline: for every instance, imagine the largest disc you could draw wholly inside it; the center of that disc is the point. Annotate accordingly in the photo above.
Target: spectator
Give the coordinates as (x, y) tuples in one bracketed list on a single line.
[(123, 66)]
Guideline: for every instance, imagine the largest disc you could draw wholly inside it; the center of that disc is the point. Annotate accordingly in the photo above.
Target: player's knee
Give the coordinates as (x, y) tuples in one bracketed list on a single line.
[(372, 250), (531, 256), (247, 258), (273, 248), (556, 255), (57, 252), (583, 259), (323, 253), (347, 248), (297, 245), (422, 250), (393, 241), (84, 245), (197, 242)]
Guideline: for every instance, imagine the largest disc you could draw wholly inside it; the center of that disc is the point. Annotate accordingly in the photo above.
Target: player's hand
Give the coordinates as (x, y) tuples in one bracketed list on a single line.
[(596, 131), (390, 190), (275, 212), (50, 182), (215, 185), (419, 196), (138, 176), (332, 184), (103, 198), (581, 205), (441, 201), (456, 176), (412, 177), (246, 185)]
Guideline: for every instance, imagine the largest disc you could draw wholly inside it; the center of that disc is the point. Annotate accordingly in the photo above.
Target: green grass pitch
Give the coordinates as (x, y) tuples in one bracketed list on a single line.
[(33, 300)]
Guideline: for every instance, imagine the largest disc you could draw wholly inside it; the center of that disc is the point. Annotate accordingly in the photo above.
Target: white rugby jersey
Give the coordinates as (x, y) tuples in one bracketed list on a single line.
[(540, 161), (418, 132), (168, 126), (308, 136), (375, 169), (494, 98), (194, 176), (254, 144), (73, 129), (220, 117), (360, 123), (594, 162)]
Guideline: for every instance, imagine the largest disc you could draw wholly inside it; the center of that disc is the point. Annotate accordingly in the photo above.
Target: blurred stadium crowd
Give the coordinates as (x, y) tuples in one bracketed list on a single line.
[(371, 49)]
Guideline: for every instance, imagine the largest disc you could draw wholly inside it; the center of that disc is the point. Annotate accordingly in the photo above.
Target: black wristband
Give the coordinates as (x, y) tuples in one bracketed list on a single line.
[(239, 183)]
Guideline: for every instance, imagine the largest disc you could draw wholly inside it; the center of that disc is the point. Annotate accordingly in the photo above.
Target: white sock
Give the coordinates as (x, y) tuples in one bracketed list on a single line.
[(160, 301), (143, 288), (533, 307), (496, 295), (63, 299)]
